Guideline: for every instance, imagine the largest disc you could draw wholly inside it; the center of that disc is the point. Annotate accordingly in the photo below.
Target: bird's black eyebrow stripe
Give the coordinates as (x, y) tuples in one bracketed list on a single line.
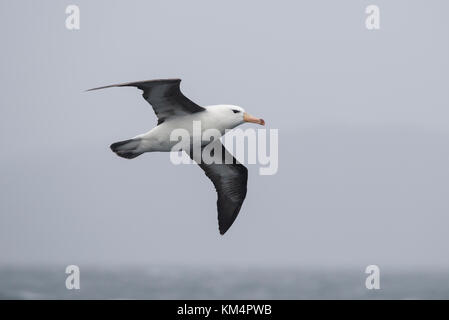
[(235, 111)]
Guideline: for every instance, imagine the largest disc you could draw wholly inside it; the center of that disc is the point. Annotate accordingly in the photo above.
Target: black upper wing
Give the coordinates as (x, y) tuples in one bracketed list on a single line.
[(164, 96), (230, 180)]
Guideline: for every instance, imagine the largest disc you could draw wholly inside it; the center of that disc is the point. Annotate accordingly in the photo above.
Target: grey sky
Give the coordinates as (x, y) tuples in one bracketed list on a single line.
[(362, 116)]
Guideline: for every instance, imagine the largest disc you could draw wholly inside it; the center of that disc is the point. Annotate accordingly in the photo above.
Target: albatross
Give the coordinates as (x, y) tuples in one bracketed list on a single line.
[(176, 111)]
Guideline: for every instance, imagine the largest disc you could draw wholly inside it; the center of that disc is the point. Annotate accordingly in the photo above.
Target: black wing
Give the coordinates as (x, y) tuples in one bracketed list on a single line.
[(164, 96), (230, 180)]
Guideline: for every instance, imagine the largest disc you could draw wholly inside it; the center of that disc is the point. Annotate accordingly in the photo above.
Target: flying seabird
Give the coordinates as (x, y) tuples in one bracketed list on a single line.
[(176, 111)]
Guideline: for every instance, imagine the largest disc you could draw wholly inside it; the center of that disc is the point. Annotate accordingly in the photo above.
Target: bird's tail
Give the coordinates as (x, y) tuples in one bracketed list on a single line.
[(127, 149)]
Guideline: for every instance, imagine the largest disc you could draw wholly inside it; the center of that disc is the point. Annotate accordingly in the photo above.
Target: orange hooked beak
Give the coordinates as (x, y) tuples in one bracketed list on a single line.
[(249, 118)]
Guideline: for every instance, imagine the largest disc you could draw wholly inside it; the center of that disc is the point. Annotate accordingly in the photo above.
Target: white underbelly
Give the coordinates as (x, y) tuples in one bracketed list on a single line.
[(168, 134)]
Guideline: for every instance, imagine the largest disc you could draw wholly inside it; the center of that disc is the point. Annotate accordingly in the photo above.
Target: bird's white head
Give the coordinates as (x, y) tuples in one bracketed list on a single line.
[(232, 116)]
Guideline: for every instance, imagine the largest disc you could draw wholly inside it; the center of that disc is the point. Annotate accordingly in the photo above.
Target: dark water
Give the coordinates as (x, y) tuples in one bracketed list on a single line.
[(226, 283)]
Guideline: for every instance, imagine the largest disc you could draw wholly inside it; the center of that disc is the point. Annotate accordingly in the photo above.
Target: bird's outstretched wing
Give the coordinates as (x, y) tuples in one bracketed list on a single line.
[(164, 96), (229, 179)]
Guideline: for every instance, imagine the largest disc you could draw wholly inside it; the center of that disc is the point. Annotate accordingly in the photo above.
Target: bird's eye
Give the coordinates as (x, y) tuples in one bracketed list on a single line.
[(235, 111)]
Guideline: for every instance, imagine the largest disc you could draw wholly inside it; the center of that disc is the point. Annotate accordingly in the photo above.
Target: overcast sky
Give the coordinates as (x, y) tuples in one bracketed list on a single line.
[(363, 120)]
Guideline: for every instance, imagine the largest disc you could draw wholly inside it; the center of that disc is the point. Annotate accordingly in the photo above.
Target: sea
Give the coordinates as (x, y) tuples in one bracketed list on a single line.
[(175, 282)]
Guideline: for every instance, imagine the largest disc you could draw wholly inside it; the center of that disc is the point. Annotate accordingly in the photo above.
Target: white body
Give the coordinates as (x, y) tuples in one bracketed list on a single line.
[(219, 117)]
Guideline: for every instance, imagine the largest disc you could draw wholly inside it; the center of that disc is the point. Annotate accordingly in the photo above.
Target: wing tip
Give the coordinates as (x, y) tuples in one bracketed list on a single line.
[(226, 224), (135, 83), (98, 88)]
